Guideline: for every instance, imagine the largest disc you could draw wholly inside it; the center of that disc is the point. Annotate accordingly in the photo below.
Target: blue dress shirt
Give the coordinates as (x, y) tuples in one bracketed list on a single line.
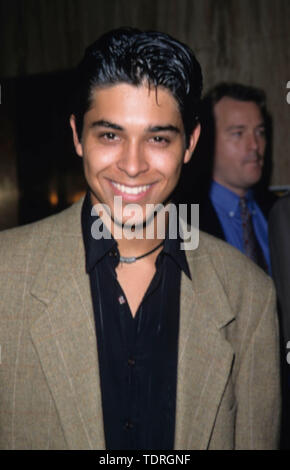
[(226, 205)]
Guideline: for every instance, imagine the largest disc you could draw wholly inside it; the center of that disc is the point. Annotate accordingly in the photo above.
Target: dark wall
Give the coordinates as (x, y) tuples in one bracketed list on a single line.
[(41, 41)]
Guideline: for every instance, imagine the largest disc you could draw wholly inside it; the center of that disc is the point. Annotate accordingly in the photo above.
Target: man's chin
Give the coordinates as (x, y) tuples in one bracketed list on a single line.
[(254, 175), (129, 223), (256, 178)]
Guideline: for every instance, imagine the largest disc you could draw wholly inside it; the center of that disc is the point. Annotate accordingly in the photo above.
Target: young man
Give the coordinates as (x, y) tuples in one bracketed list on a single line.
[(118, 343), (231, 210)]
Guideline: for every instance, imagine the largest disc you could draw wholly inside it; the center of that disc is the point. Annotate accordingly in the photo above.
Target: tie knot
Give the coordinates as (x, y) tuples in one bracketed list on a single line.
[(243, 203)]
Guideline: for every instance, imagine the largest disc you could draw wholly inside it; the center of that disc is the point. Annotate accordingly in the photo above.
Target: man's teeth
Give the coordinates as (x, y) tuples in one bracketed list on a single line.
[(130, 190)]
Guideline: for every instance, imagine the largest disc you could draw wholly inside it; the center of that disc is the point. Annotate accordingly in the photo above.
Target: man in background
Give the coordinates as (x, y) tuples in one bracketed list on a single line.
[(231, 210)]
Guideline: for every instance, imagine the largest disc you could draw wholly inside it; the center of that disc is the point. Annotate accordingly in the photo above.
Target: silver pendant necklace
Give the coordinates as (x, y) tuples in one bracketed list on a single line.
[(132, 259)]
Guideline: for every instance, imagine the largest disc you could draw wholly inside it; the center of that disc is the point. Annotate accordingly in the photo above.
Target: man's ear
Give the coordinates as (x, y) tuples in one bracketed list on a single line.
[(192, 143), (77, 143)]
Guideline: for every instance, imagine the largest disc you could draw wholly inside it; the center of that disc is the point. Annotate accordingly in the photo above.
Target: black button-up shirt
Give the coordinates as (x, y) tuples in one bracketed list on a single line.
[(137, 355)]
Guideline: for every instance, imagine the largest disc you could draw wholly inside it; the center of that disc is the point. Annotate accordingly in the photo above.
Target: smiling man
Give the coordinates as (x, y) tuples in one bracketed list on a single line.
[(231, 210), (131, 342)]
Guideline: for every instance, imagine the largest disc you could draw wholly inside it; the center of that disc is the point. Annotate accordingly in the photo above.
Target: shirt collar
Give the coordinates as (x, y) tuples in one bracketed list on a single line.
[(227, 201), (96, 249), (172, 248)]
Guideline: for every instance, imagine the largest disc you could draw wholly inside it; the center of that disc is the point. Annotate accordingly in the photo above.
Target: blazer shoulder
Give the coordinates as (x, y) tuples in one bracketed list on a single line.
[(280, 209), (241, 279), (229, 261)]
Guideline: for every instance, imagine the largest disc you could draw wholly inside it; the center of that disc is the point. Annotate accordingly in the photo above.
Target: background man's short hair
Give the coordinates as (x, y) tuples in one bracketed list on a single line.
[(236, 91), (128, 55)]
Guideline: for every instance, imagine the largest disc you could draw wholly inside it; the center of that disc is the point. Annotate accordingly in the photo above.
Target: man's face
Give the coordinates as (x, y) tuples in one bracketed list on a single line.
[(240, 144), (133, 145)]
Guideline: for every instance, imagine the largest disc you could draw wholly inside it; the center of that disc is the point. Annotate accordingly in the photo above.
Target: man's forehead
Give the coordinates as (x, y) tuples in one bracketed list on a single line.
[(229, 110), (150, 88), (142, 101)]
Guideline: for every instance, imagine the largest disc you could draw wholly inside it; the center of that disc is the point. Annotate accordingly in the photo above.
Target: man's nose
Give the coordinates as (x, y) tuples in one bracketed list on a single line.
[(133, 160), (253, 142)]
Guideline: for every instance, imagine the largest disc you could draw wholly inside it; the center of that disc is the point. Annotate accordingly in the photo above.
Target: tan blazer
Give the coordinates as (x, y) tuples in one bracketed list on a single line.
[(228, 393)]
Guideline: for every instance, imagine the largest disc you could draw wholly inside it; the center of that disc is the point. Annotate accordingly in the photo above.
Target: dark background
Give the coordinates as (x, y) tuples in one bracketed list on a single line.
[(42, 40)]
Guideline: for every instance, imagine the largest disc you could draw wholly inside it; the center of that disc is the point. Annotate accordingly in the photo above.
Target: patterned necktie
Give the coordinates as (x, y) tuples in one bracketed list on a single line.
[(251, 245)]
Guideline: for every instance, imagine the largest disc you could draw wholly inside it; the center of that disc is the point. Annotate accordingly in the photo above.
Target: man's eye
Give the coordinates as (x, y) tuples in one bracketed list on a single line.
[(237, 134), (261, 132), (109, 136), (158, 139)]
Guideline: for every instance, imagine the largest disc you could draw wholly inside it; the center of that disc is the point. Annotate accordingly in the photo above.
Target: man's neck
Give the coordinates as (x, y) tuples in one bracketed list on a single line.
[(139, 239), (241, 192)]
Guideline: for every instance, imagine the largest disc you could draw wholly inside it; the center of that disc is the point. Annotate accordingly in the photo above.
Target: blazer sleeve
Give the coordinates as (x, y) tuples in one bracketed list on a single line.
[(258, 382)]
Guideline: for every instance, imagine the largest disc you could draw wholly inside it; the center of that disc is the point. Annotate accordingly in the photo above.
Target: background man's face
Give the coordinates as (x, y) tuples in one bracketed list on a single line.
[(240, 144), (133, 145)]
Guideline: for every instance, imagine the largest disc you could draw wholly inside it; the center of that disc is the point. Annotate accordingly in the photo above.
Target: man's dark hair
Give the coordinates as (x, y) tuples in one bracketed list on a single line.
[(128, 55), (236, 91)]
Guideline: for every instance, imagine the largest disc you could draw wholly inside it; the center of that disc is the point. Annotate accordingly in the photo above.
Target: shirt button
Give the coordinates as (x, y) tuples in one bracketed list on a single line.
[(129, 425), (121, 300), (131, 362)]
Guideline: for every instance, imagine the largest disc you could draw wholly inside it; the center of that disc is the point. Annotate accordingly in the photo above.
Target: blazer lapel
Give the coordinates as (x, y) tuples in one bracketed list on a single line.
[(64, 335), (205, 357)]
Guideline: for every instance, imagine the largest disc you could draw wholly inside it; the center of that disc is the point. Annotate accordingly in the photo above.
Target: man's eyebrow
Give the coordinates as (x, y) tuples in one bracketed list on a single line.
[(166, 128), (243, 126), (236, 127), (117, 127), (107, 124)]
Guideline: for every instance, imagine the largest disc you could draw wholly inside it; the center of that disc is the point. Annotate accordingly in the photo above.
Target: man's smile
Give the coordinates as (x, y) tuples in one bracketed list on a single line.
[(131, 189)]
